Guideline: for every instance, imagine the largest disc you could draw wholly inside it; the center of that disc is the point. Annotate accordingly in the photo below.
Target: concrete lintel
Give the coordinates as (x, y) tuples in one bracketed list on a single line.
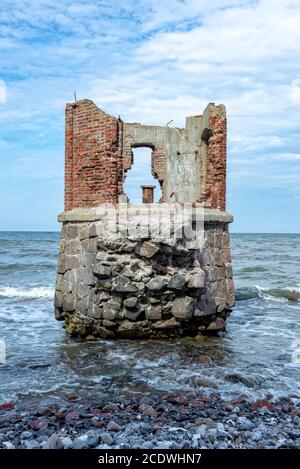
[(212, 215), (97, 213)]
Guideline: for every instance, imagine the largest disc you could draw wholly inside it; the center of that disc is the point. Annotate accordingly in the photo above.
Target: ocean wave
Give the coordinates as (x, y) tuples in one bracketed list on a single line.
[(254, 268), (30, 293), (288, 293), (19, 266), (291, 293), (246, 293)]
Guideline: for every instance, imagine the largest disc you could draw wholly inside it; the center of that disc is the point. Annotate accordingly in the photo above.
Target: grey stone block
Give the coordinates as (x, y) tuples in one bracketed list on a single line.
[(183, 307)]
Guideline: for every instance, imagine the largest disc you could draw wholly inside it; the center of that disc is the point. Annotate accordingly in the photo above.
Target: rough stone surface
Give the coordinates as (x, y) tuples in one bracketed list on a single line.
[(123, 293), (130, 302), (176, 282), (148, 249), (102, 271), (183, 307)]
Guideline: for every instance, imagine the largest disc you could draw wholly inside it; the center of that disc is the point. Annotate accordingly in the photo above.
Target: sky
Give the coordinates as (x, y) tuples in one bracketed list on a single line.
[(152, 61)]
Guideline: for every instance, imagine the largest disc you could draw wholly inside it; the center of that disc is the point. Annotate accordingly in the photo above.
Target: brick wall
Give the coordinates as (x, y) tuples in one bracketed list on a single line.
[(93, 166), (214, 191)]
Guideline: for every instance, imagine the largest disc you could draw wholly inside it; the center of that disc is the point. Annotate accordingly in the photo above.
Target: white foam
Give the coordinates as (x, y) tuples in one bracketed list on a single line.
[(263, 293), (295, 288), (27, 293)]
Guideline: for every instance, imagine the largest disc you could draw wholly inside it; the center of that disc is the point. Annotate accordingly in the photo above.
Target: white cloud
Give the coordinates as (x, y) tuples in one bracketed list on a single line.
[(2, 92), (295, 94)]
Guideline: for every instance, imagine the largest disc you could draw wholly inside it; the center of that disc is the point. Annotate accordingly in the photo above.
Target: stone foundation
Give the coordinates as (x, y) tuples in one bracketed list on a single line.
[(138, 288)]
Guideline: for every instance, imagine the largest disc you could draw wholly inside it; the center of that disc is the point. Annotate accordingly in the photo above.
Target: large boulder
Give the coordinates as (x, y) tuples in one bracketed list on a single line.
[(131, 302), (176, 282), (133, 330), (169, 324), (156, 284), (123, 285), (147, 249), (153, 312), (197, 280), (217, 325), (183, 307), (102, 271)]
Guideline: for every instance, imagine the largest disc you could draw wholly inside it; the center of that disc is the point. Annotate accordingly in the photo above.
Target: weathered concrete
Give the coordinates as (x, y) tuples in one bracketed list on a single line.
[(95, 213), (189, 163)]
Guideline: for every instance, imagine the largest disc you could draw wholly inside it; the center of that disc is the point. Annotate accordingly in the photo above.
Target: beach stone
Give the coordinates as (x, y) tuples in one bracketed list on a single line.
[(7, 406), (54, 442), (221, 445), (44, 445), (93, 439), (204, 359), (183, 307), (72, 416), (26, 435), (148, 410), (107, 438), (165, 444), (217, 325), (81, 442), (67, 442), (8, 445), (197, 381), (114, 427), (257, 436), (31, 444), (147, 445), (244, 423)]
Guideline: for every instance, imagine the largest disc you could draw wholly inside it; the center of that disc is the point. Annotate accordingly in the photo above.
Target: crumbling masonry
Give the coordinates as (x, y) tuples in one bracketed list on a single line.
[(133, 285)]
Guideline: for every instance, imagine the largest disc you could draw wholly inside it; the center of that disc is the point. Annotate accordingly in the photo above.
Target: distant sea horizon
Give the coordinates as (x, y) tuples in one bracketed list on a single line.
[(232, 232)]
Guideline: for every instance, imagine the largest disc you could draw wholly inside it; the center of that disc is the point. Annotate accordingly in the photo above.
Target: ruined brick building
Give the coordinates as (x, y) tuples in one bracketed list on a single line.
[(141, 286)]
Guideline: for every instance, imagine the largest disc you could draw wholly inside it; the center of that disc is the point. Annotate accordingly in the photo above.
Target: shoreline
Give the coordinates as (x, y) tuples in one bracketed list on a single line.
[(171, 420)]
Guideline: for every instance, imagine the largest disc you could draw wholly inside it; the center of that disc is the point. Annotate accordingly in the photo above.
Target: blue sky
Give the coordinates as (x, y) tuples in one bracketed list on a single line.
[(152, 61)]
